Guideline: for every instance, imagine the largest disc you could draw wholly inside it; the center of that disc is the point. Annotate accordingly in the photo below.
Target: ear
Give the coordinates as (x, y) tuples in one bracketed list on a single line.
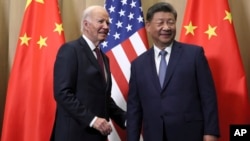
[(85, 23)]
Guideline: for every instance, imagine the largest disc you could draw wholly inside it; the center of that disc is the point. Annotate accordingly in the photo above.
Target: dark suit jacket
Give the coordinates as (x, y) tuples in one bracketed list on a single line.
[(81, 93), (184, 109)]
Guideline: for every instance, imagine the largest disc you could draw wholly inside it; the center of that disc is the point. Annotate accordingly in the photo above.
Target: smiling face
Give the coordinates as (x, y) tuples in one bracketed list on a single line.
[(162, 28), (96, 25)]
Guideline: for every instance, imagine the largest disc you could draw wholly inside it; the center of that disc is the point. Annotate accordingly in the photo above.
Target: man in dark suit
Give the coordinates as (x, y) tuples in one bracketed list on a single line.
[(82, 86), (183, 107)]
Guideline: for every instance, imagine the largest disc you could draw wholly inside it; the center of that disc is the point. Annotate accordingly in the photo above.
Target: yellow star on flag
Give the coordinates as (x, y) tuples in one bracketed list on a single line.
[(190, 28), (42, 42), (40, 1), (58, 28), (29, 2), (228, 16), (25, 39), (211, 31)]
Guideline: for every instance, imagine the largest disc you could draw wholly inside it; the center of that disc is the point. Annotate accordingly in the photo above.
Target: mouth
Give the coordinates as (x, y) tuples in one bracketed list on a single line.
[(168, 34), (103, 33)]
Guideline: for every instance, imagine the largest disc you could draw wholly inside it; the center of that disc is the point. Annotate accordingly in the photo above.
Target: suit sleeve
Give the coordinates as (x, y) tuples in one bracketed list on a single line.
[(208, 95), (134, 110), (117, 114), (65, 78)]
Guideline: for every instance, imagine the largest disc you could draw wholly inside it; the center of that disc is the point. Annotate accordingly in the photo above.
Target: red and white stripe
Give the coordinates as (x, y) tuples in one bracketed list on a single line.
[(120, 58)]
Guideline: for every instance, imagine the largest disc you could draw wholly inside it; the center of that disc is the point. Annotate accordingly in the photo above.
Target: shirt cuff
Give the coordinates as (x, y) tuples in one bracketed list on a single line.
[(92, 122)]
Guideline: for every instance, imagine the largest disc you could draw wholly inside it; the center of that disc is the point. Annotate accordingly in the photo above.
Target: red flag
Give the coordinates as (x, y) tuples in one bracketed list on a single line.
[(30, 106), (209, 24), (127, 39)]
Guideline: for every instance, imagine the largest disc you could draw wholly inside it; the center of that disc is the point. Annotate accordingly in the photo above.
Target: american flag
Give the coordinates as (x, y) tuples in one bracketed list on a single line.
[(127, 39)]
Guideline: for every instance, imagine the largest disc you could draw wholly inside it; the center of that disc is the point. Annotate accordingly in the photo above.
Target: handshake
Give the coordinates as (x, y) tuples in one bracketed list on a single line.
[(103, 126)]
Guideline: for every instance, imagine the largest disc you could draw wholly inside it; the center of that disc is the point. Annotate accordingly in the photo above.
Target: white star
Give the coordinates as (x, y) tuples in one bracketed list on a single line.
[(119, 24), (129, 27), (131, 16), (105, 44), (132, 4), (141, 9), (111, 9), (110, 20), (122, 13), (124, 2), (140, 19), (117, 36)]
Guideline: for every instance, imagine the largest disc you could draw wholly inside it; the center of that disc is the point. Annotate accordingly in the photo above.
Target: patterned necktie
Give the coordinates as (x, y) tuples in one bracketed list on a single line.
[(163, 67), (100, 60)]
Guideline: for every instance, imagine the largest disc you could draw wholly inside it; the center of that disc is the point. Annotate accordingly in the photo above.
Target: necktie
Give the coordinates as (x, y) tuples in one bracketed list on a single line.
[(100, 60), (163, 67)]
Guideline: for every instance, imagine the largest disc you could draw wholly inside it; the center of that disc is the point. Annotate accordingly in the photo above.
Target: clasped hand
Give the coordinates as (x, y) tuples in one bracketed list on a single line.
[(103, 126)]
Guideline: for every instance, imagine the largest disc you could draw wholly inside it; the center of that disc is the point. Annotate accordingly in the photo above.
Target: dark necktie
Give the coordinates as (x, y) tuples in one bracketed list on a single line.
[(163, 67), (100, 60)]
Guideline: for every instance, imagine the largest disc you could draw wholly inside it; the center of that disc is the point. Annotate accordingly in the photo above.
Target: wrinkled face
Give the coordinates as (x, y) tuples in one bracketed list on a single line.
[(162, 28), (97, 26)]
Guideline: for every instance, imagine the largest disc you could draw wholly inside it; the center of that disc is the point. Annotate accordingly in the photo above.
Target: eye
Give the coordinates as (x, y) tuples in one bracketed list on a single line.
[(171, 22), (104, 21), (107, 22), (159, 23)]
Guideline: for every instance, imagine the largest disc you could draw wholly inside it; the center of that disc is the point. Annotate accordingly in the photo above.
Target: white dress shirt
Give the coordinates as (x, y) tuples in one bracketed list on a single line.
[(158, 56)]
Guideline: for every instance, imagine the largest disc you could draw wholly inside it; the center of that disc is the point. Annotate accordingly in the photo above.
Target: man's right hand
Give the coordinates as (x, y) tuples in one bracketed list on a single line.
[(103, 126)]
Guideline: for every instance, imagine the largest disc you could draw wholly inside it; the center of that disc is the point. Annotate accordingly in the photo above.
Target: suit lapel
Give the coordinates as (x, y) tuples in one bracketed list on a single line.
[(90, 55), (153, 72), (173, 60), (88, 52)]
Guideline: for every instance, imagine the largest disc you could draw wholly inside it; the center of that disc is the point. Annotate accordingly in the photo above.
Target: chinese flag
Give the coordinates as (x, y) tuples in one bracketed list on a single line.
[(209, 24), (30, 106)]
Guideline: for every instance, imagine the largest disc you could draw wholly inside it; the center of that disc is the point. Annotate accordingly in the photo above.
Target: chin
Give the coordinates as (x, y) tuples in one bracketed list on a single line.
[(102, 38)]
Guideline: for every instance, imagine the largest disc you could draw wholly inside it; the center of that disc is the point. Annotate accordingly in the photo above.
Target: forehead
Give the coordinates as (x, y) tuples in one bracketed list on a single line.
[(163, 15), (99, 13)]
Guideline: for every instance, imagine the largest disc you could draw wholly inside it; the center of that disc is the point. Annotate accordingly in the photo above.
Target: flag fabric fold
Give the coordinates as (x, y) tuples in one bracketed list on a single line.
[(210, 24), (30, 106), (127, 39)]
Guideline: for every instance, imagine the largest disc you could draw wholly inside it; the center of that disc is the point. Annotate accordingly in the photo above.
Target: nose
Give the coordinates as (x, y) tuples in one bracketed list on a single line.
[(166, 26), (106, 25)]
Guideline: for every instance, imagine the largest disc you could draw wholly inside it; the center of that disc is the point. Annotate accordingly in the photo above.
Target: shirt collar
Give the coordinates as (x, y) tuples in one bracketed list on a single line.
[(167, 49), (89, 42)]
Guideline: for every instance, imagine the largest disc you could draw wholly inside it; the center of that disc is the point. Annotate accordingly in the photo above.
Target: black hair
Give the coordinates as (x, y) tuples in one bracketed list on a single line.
[(160, 7)]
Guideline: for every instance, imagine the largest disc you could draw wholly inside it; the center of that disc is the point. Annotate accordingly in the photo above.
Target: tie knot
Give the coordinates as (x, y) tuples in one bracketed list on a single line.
[(163, 53), (97, 49)]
